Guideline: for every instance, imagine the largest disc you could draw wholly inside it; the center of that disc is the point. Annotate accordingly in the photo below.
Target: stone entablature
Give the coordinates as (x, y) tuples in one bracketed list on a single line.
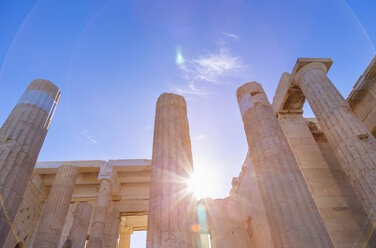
[(130, 200)]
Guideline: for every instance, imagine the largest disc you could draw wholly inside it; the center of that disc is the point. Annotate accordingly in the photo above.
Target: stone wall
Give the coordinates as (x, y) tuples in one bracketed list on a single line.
[(68, 224), (365, 107), (28, 214), (362, 99), (348, 206), (247, 193)]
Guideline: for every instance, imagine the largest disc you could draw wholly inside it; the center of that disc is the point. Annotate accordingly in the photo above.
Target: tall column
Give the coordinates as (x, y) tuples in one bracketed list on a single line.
[(353, 144), (78, 231), (21, 138), (172, 207), (125, 236), (339, 217), (111, 230), (56, 208), (292, 215), (104, 194)]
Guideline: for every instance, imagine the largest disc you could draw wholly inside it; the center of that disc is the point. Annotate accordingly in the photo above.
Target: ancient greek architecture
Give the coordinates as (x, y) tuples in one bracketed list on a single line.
[(304, 182)]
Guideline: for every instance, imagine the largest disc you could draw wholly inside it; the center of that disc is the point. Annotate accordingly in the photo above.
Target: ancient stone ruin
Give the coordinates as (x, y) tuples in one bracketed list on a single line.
[(304, 182)]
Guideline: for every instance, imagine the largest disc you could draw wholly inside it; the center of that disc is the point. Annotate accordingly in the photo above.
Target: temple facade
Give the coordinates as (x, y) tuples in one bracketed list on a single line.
[(305, 182)]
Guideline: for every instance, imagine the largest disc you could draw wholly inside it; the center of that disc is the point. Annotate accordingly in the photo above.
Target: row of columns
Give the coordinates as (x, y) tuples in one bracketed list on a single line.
[(56, 208), (352, 142), (291, 212), (290, 209)]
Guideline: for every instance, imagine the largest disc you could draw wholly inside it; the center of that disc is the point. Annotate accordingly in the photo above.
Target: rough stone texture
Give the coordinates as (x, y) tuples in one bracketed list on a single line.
[(21, 138), (79, 230), (172, 208), (338, 218), (56, 208), (362, 98), (28, 213), (347, 191), (125, 237), (251, 207), (288, 98), (99, 221), (291, 212), (111, 231), (68, 223), (241, 220), (365, 109), (226, 223), (351, 141)]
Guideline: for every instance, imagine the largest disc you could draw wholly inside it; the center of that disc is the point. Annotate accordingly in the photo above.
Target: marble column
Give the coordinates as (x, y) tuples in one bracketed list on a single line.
[(125, 237), (56, 208), (99, 221), (291, 212), (79, 229), (353, 144), (111, 230), (21, 138), (172, 207)]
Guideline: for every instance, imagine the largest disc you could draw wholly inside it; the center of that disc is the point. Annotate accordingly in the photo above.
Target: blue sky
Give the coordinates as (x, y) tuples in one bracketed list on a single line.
[(112, 59)]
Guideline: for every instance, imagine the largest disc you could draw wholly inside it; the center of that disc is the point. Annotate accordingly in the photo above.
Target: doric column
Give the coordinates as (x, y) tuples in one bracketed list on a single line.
[(56, 208), (172, 206), (21, 138), (125, 236), (353, 144), (78, 231), (104, 194), (292, 215), (111, 230), (338, 216)]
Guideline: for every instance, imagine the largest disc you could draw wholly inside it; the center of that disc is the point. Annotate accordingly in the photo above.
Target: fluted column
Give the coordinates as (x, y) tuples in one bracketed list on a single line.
[(291, 212), (104, 194), (125, 237), (353, 144), (21, 138), (172, 206), (111, 230), (56, 208), (78, 231)]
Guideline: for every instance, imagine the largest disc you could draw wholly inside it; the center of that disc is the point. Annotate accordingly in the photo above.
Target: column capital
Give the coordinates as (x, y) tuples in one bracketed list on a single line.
[(309, 67), (302, 62), (288, 97), (106, 172)]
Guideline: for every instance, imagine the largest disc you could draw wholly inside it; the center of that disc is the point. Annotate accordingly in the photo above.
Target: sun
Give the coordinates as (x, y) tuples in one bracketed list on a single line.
[(203, 184)]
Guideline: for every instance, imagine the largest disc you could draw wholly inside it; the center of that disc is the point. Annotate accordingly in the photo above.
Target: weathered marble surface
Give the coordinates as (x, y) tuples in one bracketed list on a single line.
[(21, 138), (291, 212), (172, 206)]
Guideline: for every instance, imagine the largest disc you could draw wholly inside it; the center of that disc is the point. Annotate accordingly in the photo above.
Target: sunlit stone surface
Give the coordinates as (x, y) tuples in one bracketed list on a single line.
[(283, 190), (352, 142), (304, 182), (79, 230), (172, 207), (56, 208), (97, 234), (21, 138)]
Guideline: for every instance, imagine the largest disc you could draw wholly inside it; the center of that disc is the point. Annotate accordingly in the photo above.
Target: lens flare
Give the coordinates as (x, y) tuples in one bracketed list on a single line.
[(202, 183), (179, 56)]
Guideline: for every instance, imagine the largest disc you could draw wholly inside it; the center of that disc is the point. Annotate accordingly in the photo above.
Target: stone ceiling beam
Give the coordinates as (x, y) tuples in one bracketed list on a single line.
[(288, 97)]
